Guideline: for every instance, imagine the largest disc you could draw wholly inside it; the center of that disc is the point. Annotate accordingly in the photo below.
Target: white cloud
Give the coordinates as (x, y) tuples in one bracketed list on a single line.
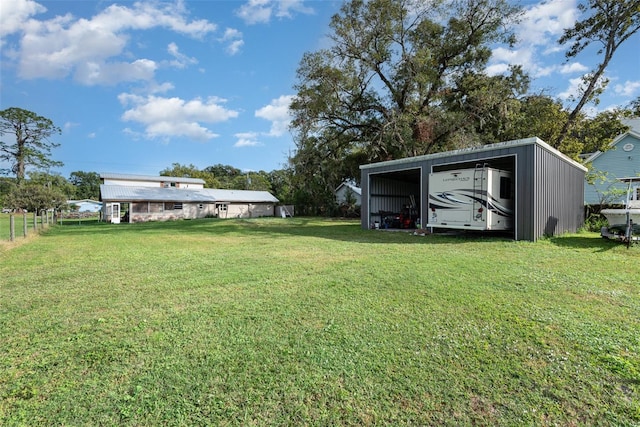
[(247, 139), (544, 22), (255, 11), (181, 60), (627, 89), (575, 89), (261, 11), (15, 14), (537, 33), (277, 112), (111, 73), (89, 49), (234, 39), (175, 117), (574, 67), (285, 7), (234, 47)]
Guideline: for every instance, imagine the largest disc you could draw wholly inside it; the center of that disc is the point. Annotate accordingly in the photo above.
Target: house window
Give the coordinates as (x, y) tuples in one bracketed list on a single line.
[(155, 207), (200, 206), (142, 207), (168, 206), (177, 206), (221, 207)]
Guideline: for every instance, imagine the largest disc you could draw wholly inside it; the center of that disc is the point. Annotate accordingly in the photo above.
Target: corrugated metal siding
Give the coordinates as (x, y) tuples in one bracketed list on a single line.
[(559, 195), (390, 195)]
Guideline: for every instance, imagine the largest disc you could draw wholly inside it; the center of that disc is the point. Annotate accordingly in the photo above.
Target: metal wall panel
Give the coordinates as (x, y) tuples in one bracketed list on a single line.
[(559, 195)]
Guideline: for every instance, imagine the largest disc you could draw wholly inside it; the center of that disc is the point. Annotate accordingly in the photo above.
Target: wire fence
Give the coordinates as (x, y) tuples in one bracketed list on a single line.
[(14, 226)]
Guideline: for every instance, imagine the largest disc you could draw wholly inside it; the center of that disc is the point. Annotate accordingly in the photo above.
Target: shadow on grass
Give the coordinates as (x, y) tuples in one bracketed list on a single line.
[(599, 244)]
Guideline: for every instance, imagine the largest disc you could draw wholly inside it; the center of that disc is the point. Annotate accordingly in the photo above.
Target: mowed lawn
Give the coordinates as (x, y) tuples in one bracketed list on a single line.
[(315, 322)]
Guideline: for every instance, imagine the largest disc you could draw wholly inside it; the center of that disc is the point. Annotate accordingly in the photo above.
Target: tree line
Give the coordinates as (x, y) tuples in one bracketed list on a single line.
[(41, 190), (400, 78)]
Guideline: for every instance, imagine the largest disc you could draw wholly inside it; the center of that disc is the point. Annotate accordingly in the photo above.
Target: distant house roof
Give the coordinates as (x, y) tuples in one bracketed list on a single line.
[(125, 193), (251, 196), (351, 186), (152, 178), (84, 201)]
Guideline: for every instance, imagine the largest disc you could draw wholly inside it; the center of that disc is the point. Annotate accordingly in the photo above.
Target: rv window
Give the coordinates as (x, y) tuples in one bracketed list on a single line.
[(505, 187)]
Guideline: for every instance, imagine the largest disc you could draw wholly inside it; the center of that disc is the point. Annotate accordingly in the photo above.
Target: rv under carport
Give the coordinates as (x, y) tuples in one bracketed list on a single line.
[(548, 187)]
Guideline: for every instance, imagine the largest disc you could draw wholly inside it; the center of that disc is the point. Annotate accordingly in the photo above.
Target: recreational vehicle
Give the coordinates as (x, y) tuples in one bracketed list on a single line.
[(480, 198)]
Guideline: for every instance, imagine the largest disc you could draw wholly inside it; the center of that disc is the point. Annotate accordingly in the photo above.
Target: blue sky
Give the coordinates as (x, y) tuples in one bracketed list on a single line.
[(138, 86)]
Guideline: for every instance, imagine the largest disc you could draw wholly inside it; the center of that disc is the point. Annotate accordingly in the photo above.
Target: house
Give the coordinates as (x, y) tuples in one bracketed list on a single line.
[(547, 186), (347, 192), (622, 159), (140, 198), (85, 205)]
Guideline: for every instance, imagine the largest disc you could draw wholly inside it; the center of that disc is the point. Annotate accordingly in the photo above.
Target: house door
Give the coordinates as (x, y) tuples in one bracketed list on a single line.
[(115, 213)]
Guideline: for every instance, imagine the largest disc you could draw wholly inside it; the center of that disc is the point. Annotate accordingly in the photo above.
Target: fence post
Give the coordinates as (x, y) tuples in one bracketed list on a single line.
[(12, 228), (24, 224)]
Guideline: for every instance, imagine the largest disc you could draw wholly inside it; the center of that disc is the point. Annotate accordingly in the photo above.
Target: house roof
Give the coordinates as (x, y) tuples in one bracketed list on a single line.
[(152, 178), (633, 132), (123, 193), (95, 202), (351, 186), (241, 195), (483, 148)]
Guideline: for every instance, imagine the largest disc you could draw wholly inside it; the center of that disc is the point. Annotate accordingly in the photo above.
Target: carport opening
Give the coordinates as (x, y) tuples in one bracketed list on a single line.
[(395, 199)]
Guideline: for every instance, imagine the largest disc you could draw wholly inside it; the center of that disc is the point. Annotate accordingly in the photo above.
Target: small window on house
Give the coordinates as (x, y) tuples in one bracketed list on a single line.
[(177, 205), (200, 206), (221, 206), (505, 187), (142, 207), (168, 206), (155, 207)]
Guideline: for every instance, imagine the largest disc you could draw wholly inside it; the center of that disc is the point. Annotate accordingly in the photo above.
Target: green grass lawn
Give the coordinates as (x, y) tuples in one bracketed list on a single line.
[(315, 322)]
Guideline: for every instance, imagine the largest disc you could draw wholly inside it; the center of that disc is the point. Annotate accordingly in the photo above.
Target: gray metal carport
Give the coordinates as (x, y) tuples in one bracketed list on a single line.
[(549, 186)]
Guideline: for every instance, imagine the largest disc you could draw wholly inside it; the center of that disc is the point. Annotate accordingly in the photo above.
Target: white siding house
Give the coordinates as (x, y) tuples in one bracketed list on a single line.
[(347, 190), (135, 198), (622, 159)]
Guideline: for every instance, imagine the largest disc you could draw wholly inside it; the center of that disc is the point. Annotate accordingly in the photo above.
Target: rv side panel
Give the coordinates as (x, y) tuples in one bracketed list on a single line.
[(471, 199)]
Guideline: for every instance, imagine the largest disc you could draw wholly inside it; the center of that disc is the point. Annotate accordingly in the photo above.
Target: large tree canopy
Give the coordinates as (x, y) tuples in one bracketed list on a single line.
[(87, 184), (31, 146), (401, 78)]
